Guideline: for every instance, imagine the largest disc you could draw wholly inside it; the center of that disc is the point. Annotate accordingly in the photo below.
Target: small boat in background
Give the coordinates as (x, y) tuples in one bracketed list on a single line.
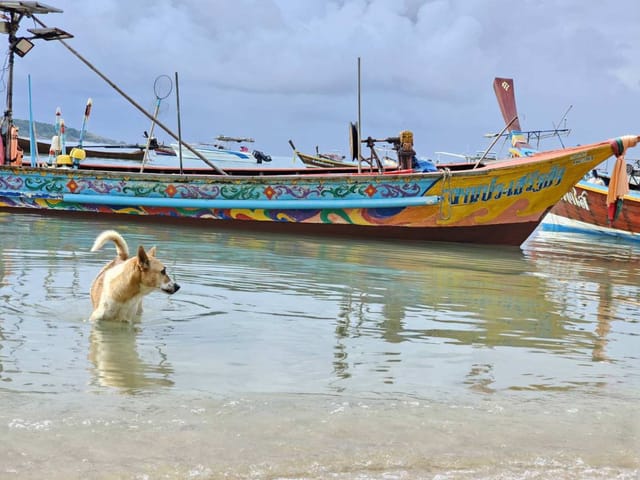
[(122, 152), (320, 160), (222, 155), (335, 160), (133, 152)]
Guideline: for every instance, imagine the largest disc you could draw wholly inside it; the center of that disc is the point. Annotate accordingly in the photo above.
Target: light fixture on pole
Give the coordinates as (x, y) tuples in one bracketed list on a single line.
[(22, 46), (12, 13)]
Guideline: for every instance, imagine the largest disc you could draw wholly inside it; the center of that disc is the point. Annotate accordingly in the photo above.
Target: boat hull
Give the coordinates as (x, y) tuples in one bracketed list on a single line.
[(322, 162), (115, 153), (318, 161), (501, 203), (584, 208)]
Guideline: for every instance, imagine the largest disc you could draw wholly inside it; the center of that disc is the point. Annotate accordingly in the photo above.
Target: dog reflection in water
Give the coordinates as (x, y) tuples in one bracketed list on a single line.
[(119, 288), (119, 364)]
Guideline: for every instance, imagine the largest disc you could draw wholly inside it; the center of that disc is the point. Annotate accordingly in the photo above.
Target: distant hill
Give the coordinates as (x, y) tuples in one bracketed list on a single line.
[(48, 130)]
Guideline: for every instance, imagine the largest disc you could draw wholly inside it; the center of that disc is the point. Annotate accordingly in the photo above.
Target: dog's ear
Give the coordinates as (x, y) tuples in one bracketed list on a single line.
[(152, 251), (143, 259)]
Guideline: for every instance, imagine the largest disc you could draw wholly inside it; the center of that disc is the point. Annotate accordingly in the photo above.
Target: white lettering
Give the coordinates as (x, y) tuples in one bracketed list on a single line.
[(579, 201)]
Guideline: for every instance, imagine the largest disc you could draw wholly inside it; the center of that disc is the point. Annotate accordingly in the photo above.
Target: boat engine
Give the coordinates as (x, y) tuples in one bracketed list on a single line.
[(405, 150), (261, 157)]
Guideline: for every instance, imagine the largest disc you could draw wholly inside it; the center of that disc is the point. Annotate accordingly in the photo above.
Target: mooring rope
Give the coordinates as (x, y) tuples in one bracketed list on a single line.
[(446, 184)]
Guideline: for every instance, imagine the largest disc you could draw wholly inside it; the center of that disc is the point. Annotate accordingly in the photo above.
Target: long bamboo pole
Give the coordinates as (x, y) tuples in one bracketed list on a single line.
[(133, 102)]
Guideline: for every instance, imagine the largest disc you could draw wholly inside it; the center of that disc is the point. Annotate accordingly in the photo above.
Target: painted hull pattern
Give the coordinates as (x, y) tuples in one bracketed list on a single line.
[(584, 209), (500, 203)]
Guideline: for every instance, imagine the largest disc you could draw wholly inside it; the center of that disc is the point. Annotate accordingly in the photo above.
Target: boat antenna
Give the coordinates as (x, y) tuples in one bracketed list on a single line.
[(557, 127), (133, 102)]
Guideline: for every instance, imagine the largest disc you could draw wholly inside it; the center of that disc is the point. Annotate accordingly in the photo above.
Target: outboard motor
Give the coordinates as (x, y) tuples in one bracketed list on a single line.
[(261, 157), (153, 141)]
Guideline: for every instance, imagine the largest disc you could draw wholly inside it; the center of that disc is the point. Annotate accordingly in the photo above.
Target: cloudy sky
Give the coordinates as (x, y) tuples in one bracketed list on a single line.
[(287, 69)]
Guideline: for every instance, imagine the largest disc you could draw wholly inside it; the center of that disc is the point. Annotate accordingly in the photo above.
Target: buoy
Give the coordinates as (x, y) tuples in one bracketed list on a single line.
[(78, 154), (64, 161)]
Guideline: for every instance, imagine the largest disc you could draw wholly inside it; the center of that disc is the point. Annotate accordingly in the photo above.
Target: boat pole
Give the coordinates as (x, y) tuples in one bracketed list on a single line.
[(128, 98), (506, 127), (359, 121), (12, 24), (32, 133), (85, 120), (179, 124)]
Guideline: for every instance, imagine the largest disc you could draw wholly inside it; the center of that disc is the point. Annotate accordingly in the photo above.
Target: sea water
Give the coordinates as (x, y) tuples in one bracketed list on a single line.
[(285, 357)]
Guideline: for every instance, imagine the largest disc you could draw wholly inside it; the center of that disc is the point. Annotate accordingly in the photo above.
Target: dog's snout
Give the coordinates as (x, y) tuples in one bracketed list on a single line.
[(171, 288)]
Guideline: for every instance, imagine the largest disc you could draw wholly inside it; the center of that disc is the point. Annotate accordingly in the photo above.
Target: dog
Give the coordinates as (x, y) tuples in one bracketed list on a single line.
[(118, 290)]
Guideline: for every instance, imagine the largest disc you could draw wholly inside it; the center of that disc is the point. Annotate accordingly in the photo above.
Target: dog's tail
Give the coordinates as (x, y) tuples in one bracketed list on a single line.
[(115, 237)]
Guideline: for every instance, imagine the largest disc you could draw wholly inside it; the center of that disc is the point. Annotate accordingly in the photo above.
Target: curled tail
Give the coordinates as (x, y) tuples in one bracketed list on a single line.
[(121, 246)]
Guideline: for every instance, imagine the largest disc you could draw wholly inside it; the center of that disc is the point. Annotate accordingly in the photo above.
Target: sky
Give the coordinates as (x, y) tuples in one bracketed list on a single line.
[(279, 70)]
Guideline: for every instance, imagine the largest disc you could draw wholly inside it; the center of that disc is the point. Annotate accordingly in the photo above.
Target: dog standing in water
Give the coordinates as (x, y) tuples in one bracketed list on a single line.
[(117, 291)]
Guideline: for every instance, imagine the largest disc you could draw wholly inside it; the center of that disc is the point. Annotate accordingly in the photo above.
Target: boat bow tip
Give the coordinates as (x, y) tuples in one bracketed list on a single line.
[(621, 144)]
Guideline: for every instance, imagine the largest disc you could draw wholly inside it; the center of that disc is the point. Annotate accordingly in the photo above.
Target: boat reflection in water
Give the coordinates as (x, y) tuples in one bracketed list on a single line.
[(404, 351), (442, 299)]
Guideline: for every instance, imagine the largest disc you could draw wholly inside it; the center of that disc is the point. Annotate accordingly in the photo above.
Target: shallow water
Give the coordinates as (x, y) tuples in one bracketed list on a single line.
[(301, 358)]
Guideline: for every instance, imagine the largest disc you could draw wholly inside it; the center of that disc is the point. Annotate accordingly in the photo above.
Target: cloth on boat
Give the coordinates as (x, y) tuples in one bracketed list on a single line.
[(422, 165), (618, 188)]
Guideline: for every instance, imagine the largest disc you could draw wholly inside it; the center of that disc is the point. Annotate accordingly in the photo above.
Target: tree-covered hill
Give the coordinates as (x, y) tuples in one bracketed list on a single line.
[(47, 130)]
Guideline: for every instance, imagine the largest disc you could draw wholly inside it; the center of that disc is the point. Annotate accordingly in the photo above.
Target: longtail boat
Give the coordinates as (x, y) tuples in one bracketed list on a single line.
[(321, 160), (585, 209), (590, 206), (497, 202), (115, 152), (501, 202)]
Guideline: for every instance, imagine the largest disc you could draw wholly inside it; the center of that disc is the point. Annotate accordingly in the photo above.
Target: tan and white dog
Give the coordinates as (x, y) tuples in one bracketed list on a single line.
[(117, 291)]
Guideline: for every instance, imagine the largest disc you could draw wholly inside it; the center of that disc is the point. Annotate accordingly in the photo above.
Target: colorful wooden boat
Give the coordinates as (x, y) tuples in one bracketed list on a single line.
[(584, 209), (501, 202)]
